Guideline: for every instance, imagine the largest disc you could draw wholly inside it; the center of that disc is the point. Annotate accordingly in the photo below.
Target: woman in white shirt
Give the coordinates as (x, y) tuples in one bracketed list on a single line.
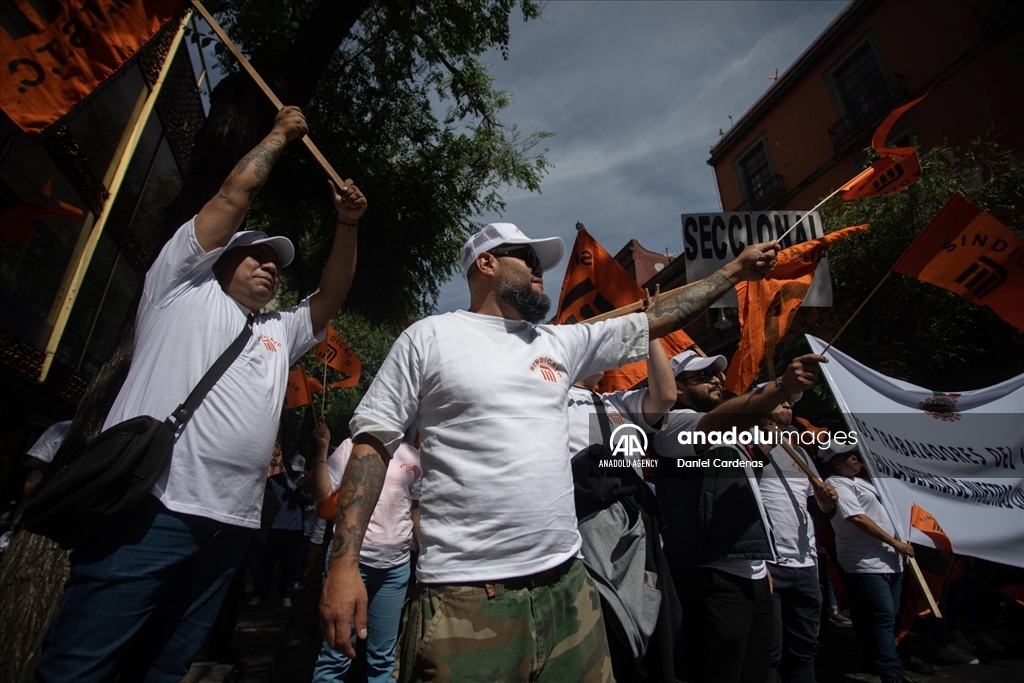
[(871, 558)]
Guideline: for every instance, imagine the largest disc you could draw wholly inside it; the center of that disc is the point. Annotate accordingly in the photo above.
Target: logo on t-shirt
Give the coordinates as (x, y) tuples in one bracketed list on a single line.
[(547, 367), (269, 343)]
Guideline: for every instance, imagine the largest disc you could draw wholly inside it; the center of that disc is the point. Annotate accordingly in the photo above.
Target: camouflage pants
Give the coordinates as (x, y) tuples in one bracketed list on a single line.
[(551, 633)]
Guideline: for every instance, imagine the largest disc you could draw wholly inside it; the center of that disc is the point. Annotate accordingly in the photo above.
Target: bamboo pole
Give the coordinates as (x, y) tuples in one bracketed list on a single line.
[(816, 207), (859, 309), (320, 159), (75, 274)]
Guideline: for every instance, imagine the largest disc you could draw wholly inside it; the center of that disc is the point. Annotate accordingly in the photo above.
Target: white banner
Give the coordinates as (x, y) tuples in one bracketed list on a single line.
[(710, 240), (958, 455)]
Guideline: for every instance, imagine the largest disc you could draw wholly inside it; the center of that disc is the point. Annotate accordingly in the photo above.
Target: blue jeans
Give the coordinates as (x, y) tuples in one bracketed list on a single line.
[(385, 592), (141, 598), (796, 603), (874, 602)]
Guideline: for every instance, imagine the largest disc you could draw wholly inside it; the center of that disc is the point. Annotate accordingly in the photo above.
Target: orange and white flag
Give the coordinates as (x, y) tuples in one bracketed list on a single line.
[(970, 253), (897, 169), (923, 521), (767, 307), (55, 53), (297, 393), (335, 353), (596, 283)]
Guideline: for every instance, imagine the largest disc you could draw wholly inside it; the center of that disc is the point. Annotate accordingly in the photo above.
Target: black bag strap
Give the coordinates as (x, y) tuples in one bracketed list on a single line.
[(183, 413), (602, 419)]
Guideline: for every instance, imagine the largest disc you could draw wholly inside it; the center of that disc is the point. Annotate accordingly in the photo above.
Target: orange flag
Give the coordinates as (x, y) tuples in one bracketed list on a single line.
[(335, 353), (596, 283), (970, 253), (298, 394), (16, 223), (1014, 591), (897, 169), (345, 383), (923, 521), (55, 53), (767, 307)]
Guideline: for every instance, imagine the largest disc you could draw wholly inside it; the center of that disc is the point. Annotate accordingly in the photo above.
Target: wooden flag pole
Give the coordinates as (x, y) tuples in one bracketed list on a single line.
[(859, 308), (323, 401), (912, 561), (818, 206), (811, 474), (320, 159)]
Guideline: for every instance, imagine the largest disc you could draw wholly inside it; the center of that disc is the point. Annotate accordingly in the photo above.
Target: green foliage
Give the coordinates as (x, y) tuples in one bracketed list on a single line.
[(910, 329), (372, 117)]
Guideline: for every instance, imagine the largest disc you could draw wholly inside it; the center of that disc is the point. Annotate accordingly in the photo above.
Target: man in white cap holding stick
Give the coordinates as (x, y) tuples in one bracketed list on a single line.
[(143, 595), (502, 595)]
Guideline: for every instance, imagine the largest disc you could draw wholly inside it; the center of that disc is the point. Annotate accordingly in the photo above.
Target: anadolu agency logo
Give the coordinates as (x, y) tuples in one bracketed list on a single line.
[(628, 445)]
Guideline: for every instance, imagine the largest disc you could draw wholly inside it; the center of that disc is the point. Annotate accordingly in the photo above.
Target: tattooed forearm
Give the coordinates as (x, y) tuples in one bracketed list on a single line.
[(675, 309), (360, 489), (261, 158)]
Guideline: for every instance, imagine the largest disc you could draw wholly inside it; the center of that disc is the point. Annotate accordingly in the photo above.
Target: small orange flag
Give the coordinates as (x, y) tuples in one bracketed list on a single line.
[(923, 521), (298, 394), (897, 169), (16, 223), (767, 307), (970, 253), (335, 353), (596, 283)]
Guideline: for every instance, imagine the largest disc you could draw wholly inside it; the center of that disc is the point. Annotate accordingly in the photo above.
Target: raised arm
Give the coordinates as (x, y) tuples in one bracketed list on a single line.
[(321, 485), (661, 385), (344, 594), (220, 218), (675, 309), (336, 279)]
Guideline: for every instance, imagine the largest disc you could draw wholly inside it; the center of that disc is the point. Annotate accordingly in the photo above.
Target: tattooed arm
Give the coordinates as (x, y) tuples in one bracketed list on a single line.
[(675, 309), (218, 220), (344, 595)]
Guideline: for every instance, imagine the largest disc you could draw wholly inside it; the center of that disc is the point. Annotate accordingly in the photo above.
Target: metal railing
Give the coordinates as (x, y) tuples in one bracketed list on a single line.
[(767, 189), (869, 111)]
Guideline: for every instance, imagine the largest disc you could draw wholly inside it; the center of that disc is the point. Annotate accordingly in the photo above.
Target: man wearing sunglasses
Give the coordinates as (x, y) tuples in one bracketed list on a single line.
[(502, 594), (718, 537)]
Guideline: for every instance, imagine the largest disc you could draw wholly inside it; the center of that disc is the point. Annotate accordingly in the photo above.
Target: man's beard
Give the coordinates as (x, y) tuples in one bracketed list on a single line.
[(703, 403), (530, 305)]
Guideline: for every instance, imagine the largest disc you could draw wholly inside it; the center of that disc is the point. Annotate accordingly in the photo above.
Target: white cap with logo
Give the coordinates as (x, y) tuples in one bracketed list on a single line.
[(549, 250), (249, 238), (691, 361), (298, 463)]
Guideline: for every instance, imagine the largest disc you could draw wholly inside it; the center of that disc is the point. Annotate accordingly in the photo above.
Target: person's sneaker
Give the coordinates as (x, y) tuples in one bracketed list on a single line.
[(953, 654), (838, 619), (286, 602), (253, 601), (918, 665)]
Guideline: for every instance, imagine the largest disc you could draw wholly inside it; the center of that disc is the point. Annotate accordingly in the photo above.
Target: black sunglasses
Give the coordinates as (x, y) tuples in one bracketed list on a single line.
[(706, 376), (525, 254)]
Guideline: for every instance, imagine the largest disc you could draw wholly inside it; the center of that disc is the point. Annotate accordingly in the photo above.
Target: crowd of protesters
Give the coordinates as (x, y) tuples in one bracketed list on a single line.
[(472, 489)]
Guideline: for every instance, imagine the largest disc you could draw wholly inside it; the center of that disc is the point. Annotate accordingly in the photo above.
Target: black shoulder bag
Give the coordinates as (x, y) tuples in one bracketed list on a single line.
[(118, 468)]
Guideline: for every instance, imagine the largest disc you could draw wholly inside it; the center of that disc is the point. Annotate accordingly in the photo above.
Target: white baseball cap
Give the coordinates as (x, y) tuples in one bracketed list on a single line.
[(298, 463), (691, 361), (834, 449), (248, 238), (549, 250)]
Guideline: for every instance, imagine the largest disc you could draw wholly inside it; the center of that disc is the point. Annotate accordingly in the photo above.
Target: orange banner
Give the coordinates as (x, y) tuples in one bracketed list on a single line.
[(335, 353), (923, 521), (297, 394), (55, 53), (970, 253), (897, 169), (767, 307), (596, 283)]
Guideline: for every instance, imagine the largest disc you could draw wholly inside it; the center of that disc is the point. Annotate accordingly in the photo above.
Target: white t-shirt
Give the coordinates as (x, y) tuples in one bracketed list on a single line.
[(185, 321), (785, 491), (622, 407), (388, 537), (490, 399), (46, 445), (667, 444), (860, 552)]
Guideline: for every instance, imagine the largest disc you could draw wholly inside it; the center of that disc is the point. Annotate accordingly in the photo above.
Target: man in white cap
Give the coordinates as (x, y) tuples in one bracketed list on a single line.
[(502, 594), (142, 597), (718, 535)]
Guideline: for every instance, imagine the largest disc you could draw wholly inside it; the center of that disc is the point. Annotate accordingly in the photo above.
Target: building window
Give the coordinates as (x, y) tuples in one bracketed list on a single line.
[(759, 184), (858, 78)]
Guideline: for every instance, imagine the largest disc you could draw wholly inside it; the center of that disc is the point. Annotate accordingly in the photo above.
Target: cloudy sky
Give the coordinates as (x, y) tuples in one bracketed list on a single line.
[(636, 93)]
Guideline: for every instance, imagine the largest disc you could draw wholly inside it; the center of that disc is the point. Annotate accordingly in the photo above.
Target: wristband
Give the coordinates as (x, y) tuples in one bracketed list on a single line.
[(778, 385)]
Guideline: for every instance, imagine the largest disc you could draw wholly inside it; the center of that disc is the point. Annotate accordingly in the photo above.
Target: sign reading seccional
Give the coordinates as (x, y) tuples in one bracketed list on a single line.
[(710, 240)]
